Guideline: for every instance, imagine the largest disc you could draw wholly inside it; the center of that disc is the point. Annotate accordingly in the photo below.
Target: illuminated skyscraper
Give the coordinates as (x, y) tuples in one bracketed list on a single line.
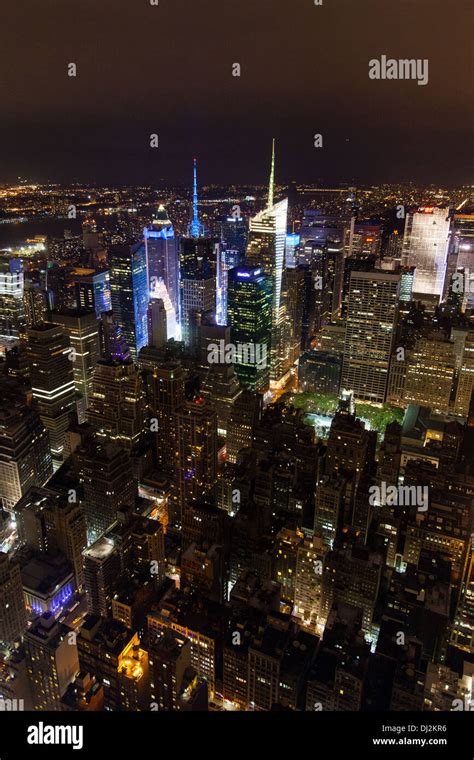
[(130, 295), (370, 332), (107, 475), (113, 343), (92, 289), (116, 405), (82, 328), (51, 660), (52, 381), (465, 385), (266, 249), (462, 251), (250, 318), (430, 372), (25, 458), (198, 273), (196, 228), (12, 313), (425, 246), (162, 255)]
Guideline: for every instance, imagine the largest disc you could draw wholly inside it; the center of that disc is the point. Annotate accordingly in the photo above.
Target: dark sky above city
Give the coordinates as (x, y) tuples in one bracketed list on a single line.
[(167, 69)]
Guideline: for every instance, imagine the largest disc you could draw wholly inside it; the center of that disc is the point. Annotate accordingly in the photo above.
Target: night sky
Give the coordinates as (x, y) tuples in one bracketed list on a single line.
[(168, 70)]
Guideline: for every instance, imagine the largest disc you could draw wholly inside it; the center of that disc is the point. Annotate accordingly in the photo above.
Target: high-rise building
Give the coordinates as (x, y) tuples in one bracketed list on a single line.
[(228, 259), (12, 605), (52, 661), (25, 457), (198, 260), (352, 575), (157, 333), (113, 343), (425, 246), (116, 405), (294, 299), (130, 293), (370, 333), (329, 511), (245, 414), (102, 568), (266, 250), (92, 289), (167, 396), (430, 370), (170, 657), (308, 580), (162, 254), (250, 315), (34, 302), (52, 381), (107, 474), (49, 521), (12, 312), (81, 326), (196, 461), (465, 385), (220, 385)]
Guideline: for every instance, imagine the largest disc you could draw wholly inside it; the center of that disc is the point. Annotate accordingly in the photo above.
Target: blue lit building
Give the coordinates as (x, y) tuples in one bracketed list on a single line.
[(48, 584), (130, 293), (162, 255), (92, 289)]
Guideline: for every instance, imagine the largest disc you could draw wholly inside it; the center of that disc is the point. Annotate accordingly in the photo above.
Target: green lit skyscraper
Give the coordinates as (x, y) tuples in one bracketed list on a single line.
[(249, 313)]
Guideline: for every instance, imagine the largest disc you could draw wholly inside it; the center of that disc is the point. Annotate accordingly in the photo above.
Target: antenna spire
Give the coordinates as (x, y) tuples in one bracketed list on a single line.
[(195, 225), (271, 187)]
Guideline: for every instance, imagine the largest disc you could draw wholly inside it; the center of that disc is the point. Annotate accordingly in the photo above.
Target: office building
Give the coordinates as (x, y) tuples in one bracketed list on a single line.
[(130, 293), (370, 333), (52, 381)]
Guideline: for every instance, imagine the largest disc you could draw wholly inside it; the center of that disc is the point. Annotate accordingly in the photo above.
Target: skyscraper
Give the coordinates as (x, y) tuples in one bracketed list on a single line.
[(196, 463), (196, 228), (13, 617), (116, 404), (162, 255), (12, 312), (52, 381), (51, 660), (220, 385), (130, 293), (25, 457), (48, 521), (92, 289), (250, 317), (107, 475), (370, 333), (425, 246), (82, 328), (198, 273), (266, 249)]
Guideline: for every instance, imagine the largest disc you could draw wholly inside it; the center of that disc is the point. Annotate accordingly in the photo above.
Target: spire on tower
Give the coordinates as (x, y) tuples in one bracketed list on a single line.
[(195, 225), (271, 187)]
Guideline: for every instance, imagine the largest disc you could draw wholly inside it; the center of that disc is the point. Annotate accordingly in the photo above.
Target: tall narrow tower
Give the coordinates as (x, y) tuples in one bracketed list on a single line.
[(271, 186), (196, 227)]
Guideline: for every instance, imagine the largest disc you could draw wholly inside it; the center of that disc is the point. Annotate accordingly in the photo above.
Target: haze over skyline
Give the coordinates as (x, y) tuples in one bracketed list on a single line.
[(304, 70)]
